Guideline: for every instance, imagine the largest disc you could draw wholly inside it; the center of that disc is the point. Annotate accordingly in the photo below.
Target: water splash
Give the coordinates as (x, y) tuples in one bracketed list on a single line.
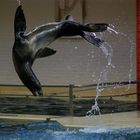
[(130, 58), (95, 108), (111, 30), (106, 48), (108, 52), (130, 53)]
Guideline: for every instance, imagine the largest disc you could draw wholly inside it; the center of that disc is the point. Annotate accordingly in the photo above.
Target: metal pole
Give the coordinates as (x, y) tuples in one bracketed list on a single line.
[(138, 54), (71, 100)]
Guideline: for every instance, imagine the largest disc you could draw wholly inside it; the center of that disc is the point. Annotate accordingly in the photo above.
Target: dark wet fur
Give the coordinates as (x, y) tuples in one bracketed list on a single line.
[(24, 54)]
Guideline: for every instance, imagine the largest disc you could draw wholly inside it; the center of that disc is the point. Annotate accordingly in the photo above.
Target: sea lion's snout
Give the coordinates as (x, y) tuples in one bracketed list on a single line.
[(97, 27), (101, 26)]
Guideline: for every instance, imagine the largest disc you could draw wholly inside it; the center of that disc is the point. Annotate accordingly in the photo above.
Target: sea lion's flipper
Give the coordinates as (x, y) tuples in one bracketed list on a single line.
[(20, 21), (69, 17), (97, 27), (91, 38), (30, 80), (44, 52)]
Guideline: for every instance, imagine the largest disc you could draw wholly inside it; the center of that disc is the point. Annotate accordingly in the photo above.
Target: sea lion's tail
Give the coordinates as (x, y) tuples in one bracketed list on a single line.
[(20, 21)]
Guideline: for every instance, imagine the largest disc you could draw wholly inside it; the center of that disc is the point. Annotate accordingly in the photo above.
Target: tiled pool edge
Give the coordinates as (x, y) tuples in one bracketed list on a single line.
[(115, 120)]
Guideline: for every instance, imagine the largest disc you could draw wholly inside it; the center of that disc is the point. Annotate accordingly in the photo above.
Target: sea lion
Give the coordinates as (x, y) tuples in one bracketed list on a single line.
[(29, 46)]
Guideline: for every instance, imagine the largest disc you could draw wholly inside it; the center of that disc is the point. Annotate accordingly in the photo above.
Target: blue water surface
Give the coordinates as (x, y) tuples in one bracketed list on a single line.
[(54, 131)]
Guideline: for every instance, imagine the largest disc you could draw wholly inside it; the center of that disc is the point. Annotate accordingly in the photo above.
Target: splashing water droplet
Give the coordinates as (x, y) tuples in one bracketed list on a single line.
[(130, 58), (107, 50), (104, 49), (112, 30)]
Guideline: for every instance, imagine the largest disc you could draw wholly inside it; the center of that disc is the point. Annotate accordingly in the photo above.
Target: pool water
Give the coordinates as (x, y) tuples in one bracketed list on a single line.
[(54, 131)]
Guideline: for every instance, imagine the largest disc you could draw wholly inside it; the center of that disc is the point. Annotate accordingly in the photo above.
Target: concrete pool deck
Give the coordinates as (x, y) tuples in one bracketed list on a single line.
[(115, 120)]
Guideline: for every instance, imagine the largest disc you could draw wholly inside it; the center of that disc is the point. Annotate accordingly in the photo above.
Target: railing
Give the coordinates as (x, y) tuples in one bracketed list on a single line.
[(71, 92)]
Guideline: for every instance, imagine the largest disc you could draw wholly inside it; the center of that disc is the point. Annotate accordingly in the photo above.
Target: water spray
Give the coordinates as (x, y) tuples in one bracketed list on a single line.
[(107, 50), (110, 29)]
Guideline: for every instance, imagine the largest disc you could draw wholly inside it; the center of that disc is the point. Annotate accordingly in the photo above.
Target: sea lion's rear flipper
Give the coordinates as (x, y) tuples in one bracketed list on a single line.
[(44, 52), (91, 38), (20, 21)]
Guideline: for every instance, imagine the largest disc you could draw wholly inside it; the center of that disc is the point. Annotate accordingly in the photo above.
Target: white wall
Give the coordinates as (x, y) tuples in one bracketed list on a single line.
[(76, 61)]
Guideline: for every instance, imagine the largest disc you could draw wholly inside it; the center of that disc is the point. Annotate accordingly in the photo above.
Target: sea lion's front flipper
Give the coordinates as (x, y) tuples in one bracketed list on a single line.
[(29, 79), (20, 21), (44, 52), (91, 38)]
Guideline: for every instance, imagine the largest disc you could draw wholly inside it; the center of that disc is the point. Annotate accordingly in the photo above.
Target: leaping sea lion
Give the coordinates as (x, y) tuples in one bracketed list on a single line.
[(29, 46)]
